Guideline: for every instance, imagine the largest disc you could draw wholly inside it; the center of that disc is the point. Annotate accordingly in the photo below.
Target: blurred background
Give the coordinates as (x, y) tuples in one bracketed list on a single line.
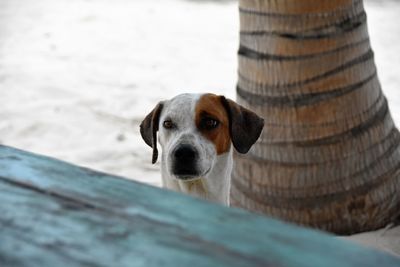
[(78, 76)]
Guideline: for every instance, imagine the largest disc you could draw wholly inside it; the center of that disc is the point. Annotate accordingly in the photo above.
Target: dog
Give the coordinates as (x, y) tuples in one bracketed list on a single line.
[(196, 133)]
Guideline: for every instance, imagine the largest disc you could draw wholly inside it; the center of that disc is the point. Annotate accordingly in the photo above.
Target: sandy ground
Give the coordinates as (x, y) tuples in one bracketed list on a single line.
[(77, 77)]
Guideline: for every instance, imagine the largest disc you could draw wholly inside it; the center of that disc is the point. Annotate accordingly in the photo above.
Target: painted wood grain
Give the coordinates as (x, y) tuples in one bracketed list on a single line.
[(57, 214)]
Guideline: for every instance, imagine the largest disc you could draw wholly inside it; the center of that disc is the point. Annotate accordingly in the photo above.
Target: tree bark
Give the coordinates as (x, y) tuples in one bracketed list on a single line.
[(329, 153)]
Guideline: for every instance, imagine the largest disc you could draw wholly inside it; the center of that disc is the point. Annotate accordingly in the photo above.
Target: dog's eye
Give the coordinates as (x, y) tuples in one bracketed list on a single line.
[(210, 123), (168, 124)]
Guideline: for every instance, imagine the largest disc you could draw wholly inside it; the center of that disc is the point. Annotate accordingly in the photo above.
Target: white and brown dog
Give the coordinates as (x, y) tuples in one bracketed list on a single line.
[(196, 132)]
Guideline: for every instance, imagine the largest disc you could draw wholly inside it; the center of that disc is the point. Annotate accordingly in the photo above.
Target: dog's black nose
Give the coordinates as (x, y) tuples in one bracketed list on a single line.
[(185, 161), (185, 154)]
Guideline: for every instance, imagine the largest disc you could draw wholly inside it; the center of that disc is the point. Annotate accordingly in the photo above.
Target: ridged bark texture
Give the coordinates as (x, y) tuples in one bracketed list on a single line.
[(329, 153)]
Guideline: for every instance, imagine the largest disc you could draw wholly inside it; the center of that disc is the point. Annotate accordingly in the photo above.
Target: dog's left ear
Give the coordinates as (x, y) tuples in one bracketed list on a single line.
[(149, 128), (244, 125)]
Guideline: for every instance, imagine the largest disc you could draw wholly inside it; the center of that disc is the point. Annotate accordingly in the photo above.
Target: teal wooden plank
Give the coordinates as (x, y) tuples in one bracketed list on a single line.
[(59, 233), (56, 214)]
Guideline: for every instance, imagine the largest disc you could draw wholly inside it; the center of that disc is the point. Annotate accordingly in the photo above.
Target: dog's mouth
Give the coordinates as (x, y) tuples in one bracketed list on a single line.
[(190, 175), (187, 178)]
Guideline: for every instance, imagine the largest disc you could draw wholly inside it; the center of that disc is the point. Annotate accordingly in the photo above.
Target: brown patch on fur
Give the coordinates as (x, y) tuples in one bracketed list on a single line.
[(210, 105)]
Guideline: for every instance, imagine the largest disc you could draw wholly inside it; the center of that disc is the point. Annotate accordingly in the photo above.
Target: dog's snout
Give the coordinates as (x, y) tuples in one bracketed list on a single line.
[(185, 153), (185, 161)]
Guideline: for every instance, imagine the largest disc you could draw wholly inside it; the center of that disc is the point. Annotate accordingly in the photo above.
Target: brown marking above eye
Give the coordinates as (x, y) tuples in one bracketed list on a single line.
[(212, 120)]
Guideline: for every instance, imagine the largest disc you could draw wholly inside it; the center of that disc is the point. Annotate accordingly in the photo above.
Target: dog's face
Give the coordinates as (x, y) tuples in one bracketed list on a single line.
[(194, 130)]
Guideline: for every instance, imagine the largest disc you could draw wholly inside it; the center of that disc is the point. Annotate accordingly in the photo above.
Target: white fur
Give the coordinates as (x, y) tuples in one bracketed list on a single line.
[(214, 182)]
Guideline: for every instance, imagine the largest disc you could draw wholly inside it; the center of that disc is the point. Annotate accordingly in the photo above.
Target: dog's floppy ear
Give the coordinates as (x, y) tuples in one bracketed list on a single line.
[(244, 125), (149, 128)]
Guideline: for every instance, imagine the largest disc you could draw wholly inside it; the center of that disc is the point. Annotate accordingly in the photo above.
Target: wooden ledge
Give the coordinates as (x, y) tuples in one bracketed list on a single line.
[(56, 214)]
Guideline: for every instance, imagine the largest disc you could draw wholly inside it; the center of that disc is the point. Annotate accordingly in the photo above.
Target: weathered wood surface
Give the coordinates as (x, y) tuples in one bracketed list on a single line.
[(56, 214)]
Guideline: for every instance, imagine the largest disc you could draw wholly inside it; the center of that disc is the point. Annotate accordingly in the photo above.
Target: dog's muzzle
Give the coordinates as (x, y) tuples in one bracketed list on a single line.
[(185, 158)]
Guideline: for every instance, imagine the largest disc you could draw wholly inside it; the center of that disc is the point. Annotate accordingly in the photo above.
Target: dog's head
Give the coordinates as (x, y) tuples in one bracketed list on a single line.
[(195, 129)]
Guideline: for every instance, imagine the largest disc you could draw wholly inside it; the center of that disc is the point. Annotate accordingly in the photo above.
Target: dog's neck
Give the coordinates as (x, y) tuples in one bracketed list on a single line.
[(214, 187)]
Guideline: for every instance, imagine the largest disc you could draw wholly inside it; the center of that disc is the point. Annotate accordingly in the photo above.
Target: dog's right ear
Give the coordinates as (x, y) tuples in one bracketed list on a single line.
[(149, 128), (245, 126)]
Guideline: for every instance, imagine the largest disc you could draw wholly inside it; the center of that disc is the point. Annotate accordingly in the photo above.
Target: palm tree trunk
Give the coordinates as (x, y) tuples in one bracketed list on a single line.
[(329, 154)]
